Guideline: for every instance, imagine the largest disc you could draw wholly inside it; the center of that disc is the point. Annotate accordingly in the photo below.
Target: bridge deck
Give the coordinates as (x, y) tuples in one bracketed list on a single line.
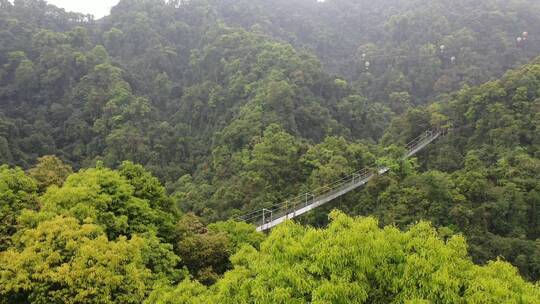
[(272, 217)]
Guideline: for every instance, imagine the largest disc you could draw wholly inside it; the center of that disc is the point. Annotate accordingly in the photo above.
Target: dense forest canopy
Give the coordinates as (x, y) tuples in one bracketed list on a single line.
[(107, 236), (127, 143), (167, 83)]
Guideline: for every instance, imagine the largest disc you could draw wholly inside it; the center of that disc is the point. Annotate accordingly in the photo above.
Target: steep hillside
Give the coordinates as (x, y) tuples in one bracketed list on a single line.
[(126, 143), (481, 179), (401, 40), (166, 83), (167, 106)]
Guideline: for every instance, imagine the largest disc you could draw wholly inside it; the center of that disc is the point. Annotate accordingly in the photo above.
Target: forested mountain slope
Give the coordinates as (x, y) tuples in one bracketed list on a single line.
[(480, 180), (175, 115), (166, 83), (166, 106), (401, 40)]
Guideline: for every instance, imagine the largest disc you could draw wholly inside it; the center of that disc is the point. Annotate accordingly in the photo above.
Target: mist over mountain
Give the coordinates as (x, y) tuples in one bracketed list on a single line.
[(128, 142)]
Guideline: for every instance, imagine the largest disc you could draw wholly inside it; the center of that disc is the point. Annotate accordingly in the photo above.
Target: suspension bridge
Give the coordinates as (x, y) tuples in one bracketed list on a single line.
[(269, 217)]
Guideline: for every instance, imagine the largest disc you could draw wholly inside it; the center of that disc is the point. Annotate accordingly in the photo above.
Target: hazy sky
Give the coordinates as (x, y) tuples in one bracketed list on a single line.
[(98, 8)]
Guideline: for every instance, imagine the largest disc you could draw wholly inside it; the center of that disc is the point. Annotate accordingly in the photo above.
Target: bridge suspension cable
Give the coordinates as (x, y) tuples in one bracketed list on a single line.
[(276, 214)]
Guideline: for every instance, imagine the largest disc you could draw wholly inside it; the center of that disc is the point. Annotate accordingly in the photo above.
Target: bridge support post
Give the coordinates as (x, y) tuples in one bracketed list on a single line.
[(308, 195), (264, 212), (297, 207)]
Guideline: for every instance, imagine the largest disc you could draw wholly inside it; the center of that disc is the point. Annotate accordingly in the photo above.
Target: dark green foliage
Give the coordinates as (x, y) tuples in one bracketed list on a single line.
[(400, 39), (490, 187), (176, 114), (205, 253), (166, 83)]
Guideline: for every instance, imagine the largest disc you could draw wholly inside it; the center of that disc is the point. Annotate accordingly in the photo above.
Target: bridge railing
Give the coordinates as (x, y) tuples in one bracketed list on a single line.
[(267, 214), (307, 198), (426, 136)]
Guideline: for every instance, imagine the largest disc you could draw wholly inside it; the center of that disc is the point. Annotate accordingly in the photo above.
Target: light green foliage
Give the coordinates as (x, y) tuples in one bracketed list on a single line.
[(187, 292), (239, 234), (145, 185), (63, 261), (103, 196), (121, 205), (355, 261), (148, 187), (17, 193), (95, 239)]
